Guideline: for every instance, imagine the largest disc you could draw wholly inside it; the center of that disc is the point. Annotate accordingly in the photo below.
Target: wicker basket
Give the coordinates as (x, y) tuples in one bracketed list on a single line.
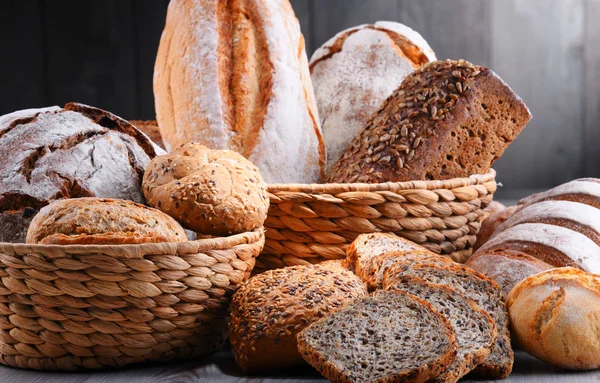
[(312, 223), (89, 306)]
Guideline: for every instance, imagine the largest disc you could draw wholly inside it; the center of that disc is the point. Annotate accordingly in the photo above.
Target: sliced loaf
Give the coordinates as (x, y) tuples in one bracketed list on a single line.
[(390, 336)]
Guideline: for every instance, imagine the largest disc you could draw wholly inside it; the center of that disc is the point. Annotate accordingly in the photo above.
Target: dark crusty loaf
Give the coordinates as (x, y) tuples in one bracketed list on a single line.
[(269, 310), (448, 119), (491, 223), (483, 291), (149, 128), (75, 151), (102, 221), (474, 329), (390, 336)]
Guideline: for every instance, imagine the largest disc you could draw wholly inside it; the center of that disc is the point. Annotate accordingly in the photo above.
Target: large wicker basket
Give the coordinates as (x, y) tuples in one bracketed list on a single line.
[(88, 306), (312, 223)]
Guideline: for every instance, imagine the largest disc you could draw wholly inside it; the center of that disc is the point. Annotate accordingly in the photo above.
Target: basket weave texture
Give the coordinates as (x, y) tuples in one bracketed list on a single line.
[(106, 306), (313, 223)]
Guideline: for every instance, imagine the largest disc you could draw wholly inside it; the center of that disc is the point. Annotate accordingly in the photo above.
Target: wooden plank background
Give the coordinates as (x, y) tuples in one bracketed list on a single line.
[(101, 52)]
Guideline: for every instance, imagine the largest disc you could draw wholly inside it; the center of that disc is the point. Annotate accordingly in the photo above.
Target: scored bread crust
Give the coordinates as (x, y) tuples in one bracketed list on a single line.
[(491, 223), (102, 221), (583, 190), (421, 130), (234, 75)]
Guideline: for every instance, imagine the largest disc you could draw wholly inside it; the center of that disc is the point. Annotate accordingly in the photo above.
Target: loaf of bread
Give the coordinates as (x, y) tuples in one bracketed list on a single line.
[(212, 192), (491, 223), (149, 128), (234, 75), (269, 311), (555, 316), (355, 71), (583, 190), (76, 151), (506, 267), (421, 131), (100, 221)]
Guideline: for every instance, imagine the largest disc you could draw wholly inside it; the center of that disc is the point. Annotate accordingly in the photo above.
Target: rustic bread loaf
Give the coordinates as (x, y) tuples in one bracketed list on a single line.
[(149, 128), (491, 223), (480, 289), (583, 190), (98, 221), (555, 316), (234, 75), (492, 208), (421, 131), (474, 329), (506, 267), (212, 192), (351, 76), (390, 336), (269, 311), (76, 151)]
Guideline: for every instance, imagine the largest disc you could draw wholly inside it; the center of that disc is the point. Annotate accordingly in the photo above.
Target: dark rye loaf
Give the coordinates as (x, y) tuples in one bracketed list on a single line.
[(76, 151), (447, 119)]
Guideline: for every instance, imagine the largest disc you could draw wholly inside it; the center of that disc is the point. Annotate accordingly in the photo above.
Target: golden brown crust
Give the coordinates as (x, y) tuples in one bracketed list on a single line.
[(214, 192), (102, 221), (491, 223), (421, 130)]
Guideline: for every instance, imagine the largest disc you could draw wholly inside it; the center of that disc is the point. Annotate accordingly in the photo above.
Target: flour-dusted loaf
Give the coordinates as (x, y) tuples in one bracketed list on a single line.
[(491, 223), (390, 336), (212, 192), (269, 311), (234, 75), (355, 71), (101, 221), (474, 329), (583, 190), (76, 151), (555, 316), (480, 289), (421, 131), (150, 128)]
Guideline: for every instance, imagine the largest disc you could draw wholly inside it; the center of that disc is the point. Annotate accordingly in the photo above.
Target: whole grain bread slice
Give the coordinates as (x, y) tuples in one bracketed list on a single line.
[(390, 336), (474, 328), (486, 293)]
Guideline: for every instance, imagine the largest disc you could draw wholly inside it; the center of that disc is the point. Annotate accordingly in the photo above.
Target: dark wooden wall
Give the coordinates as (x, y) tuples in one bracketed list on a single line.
[(101, 52)]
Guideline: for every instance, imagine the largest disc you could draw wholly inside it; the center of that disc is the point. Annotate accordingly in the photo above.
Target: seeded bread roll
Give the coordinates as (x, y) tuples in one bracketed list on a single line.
[(421, 131), (269, 311), (491, 223), (212, 192), (101, 221)]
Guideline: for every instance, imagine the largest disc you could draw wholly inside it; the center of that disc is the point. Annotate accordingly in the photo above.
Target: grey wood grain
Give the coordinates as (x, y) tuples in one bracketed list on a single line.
[(302, 9), (537, 49), (591, 87)]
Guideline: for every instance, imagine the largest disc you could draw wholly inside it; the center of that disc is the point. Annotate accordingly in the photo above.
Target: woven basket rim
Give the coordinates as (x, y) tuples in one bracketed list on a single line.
[(476, 179), (136, 250)]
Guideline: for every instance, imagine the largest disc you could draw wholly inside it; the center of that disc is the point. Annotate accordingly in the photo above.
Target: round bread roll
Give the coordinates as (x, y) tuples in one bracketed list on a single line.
[(491, 223), (355, 71), (101, 221), (555, 316), (269, 311), (212, 192)]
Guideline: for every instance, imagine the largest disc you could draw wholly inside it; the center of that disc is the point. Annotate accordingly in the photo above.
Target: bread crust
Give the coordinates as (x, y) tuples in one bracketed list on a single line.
[(491, 223), (98, 221)]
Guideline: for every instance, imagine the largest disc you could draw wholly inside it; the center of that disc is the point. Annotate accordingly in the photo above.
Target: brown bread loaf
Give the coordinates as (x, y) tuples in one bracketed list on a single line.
[(75, 151), (149, 128), (234, 75), (583, 190), (491, 223), (100, 221), (421, 131)]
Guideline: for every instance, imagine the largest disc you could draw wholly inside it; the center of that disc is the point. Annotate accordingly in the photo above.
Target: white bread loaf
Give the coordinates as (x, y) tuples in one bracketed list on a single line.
[(355, 71), (234, 75)]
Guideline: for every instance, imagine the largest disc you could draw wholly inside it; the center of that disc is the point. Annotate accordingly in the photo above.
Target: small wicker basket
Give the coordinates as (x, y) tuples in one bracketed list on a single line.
[(312, 223), (92, 306)]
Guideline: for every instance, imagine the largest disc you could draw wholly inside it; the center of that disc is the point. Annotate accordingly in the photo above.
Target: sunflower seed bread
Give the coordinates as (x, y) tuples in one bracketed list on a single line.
[(390, 336), (474, 329), (269, 310), (421, 131)]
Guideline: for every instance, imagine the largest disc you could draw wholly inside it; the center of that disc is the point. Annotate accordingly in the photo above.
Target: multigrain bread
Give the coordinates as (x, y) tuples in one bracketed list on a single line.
[(101, 221), (491, 223), (351, 76), (421, 131), (480, 289), (474, 329), (506, 267), (212, 192), (55, 153), (234, 75), (269, 311), (555, 316), (390, 336)]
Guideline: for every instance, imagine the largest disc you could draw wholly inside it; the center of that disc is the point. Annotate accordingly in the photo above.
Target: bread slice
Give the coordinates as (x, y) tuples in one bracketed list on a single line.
[(474, 328), (390, 336), (483, 291)]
